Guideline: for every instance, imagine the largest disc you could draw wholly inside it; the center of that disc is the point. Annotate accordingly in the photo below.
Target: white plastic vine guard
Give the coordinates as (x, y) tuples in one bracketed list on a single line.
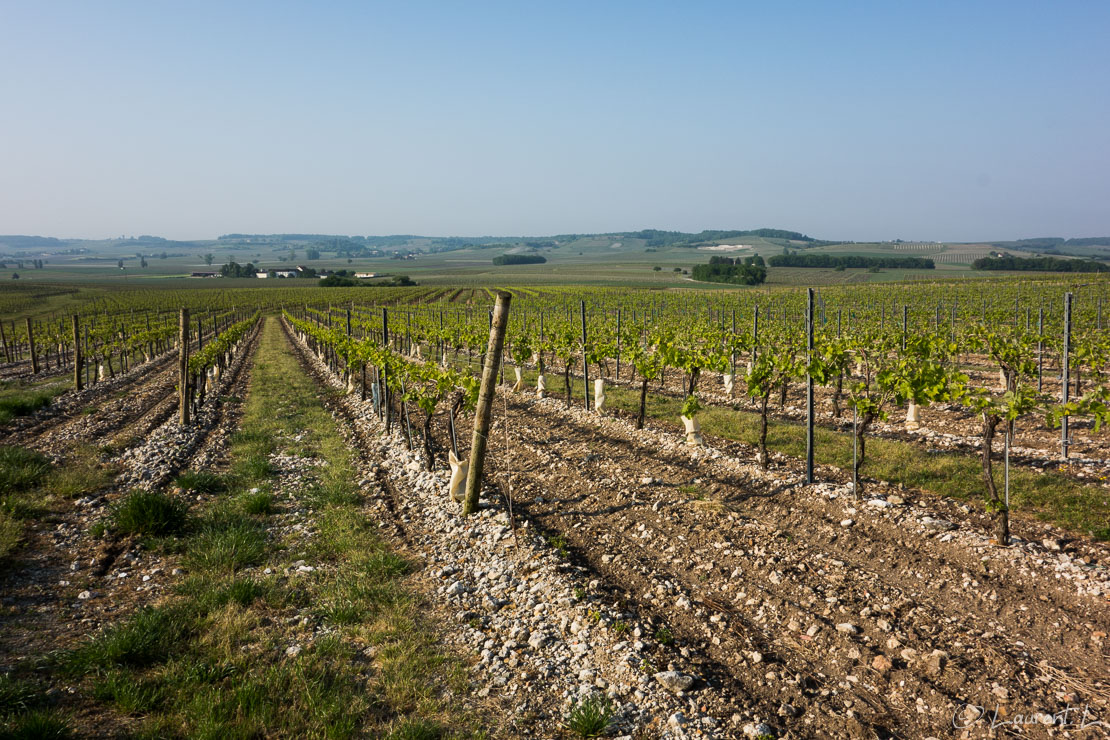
[(693, 431), (351, 383), (519, 385), (599, 394), (100, 373), (913, 417), (729, 383), (459, 470), (1001, 379), (541, 387)]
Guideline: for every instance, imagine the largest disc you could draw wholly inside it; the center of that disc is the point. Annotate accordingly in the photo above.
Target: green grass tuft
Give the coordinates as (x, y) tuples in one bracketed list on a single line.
[(592, 717), (37, 725), (131, 695), (18, 695), (201, 481), (254, 468), (21, 469), (259, 503), (150, 636), (331, 493), (11, 534), (207, 597), (24, 404), (417, 729), (150, 513), (227, 548)]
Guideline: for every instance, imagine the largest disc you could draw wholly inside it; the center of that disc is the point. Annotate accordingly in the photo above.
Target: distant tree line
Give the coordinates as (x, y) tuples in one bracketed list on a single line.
[(1049, 242), (20, 241), (845, 261), (346, 279), (279, 237), (657, 238), (746, 271), (1039, 264), (519, 259), (235, 270)]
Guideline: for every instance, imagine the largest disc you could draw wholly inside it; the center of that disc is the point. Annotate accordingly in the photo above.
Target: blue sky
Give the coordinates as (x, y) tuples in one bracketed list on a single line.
[(865, 120)]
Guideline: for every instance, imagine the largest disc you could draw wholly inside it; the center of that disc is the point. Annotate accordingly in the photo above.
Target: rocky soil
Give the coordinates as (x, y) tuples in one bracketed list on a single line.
[(96, 411), (65, 583), (542, 633), (711, 598)]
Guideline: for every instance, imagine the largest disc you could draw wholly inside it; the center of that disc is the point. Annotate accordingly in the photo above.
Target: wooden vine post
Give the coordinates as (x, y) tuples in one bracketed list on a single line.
[(31, 347), (585, 366), (183, 366), (1065, 374), (77, 358), (485, 402), (809, 385), (383, 381)]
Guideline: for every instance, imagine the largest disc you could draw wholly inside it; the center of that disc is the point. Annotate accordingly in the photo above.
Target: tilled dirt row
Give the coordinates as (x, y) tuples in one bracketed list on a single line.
[(141, 398), (22, 369), (65, 584), (879, 617), (799, 607), (542, 633), (945, 427), (95, 411), (124, 418), (168, 449)]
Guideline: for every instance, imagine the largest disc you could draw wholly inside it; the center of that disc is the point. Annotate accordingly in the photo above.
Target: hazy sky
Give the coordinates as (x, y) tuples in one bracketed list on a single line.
[(856, 120)]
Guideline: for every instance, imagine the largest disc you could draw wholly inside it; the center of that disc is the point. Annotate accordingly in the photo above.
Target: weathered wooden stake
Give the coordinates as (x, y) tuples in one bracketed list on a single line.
[(485, 402), (809, 387), (585, 368), (618, 373), (77, 379), (383, 379), (1040, 349), (31, 346), (183, 366), (1065, 374)]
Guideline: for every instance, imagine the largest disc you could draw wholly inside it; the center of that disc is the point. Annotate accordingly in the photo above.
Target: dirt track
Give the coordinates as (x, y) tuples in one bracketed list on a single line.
[(737, 563)]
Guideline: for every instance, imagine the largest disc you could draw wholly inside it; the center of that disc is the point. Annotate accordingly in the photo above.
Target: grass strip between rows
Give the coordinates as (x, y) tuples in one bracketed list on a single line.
[(213, 660)]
